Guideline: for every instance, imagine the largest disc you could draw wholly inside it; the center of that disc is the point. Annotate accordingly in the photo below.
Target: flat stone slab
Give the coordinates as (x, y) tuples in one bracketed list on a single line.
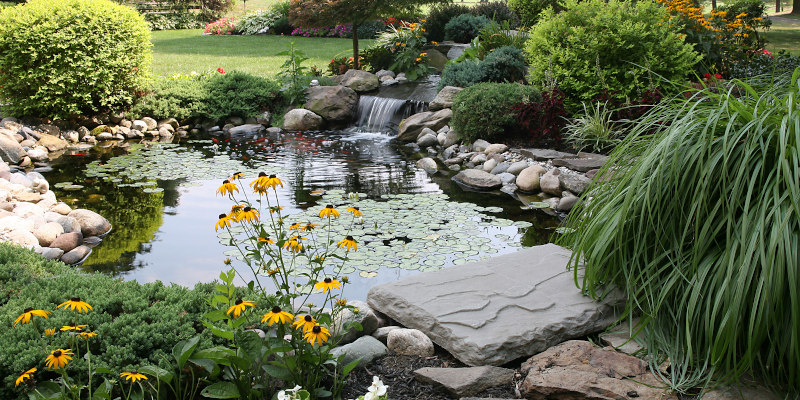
[(580, 164), (497, 310), (543, 154), (461, 382)]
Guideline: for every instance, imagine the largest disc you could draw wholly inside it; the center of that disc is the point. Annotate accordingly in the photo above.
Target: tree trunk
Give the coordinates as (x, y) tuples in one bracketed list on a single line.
[(356, 64), (714, 4), (796, 7), (777, 6)]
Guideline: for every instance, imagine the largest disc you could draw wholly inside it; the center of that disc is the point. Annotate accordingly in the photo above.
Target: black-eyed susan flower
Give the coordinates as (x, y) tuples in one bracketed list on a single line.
[(73, 327), (132, 376), (87, 335), (272, 272), (29, 313), (319, 334), (295, 225), (226, 261), (309, 227), (58, 358), (224, 222), (76, 303), (327, 284), (348, 243), (294, 244), (23, 376), (305, 323), (227, 188), (249, 215), (266, 240), (50, 332), (356, 212), (263, 182), (276, 315), (239, 306), (237, 175), (236, 213), (273, 182), (328, 212), (341, 302)]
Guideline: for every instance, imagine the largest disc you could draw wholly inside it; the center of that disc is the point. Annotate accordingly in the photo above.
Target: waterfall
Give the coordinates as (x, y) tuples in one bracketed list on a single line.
[(382, 114)]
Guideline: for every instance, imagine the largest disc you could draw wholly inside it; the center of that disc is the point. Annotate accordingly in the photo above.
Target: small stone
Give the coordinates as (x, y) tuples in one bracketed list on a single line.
[(549, 182), (76, 255), (575, 183), (506, 177), (365, 316), (479, 158), (478, 180), (52, 143), (23, 238), (62, 208), (51, 253), (150, 122), (382, 333), (301, 119), (47, 233), (517, 167), (427, 141), (495, 148), (489, 165), (429, 165), (38, 153), (480, 145), (365, 348), (67, 241), (92, 223), (568, 200), (409, 342), (500, 168), (529, 180), (139, 125), (459, 382), (444, 99)]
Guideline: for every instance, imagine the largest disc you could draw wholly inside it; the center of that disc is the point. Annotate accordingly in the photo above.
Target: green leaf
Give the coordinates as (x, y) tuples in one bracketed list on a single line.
[(277, 371), (221, 390), (215, 315), (209, 365), (102, 370), (349, 367), (250, 344), (219, 354), (183, 350), (159, 373), (46, 391)]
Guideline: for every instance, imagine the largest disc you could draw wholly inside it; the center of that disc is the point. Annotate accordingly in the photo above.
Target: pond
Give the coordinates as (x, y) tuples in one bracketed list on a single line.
[(161, 200)]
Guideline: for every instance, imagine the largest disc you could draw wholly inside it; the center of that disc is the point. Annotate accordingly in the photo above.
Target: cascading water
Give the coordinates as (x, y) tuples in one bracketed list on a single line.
[(382, 114)]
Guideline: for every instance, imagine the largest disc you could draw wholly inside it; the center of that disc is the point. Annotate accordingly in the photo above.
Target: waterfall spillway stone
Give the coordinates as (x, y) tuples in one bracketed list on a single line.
[(382, 114)]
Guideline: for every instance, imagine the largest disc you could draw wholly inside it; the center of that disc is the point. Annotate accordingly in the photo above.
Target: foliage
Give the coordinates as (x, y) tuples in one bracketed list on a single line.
[(58, 57), (293, 73), (371, 29), (635, 48), (340, 65), (687, 226), (173, 20), (405, 44), (211, 10), (180, 98), (439, 16), (595, 130), (240, 94), (487, 110), (505, 64), (281, 26), (495, 36), (530, 10), (497, 11), (256, 22), (765, 62), (222, 26), (345, 30), (542, 121), (465, 27), (462, 74), (375, 58)]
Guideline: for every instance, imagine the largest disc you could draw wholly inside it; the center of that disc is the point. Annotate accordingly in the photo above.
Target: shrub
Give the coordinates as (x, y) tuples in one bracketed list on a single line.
[(182, 99), (256, 22), (487, 110), (635, 45), (765, 62), (529, 10), (371, 29), (59, 57), (405, 44), (173, 20), (376, 58), (462, 74), (497, 11), (222, 26), (505, 64), (686, 226), (281, 26), (595, 129), (542, 121), (240, 94), (465, 27), (755, 13), (211, 10), (495, 36), (438, 18)]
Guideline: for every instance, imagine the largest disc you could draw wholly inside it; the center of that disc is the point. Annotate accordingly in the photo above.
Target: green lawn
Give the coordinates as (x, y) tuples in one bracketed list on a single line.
[(184, 51), (784, 34)]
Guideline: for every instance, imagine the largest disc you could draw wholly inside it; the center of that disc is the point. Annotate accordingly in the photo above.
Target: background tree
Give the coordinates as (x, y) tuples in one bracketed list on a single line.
[(318, 13)]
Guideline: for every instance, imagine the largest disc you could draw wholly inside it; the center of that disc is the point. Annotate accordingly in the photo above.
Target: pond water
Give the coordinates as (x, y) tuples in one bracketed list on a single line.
[(161, 200)]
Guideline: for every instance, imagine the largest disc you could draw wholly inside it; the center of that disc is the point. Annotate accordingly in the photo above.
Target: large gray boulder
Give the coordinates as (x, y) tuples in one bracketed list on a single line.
[(580, 164), (332, 103), (528, 179), (411, 127), (360, 81), (478, 180), (497, 310), (10, 150), (247, 130), (543, 154), (92, 223), (301, 119)]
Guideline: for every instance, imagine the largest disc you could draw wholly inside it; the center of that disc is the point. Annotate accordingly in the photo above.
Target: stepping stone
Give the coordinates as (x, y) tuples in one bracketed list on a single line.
[(580, 164), (465, 381), (497, 310), (543, 154)]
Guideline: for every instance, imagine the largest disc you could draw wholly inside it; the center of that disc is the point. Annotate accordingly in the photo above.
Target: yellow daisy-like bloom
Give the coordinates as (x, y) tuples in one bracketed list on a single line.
[(266, 240), (348, 243), (318, 333), (423, 54), (309, 227), (306, 323), (272, 272), (76, 303), (236, 213), (294, 244), (263, 182), (132, 376), (276, 315), (275, 209), (341, 302), (356, 212), (87, 335), (237, 175), (239, 306), (25, 375), (73, 327), (328, 212), (224, 222), (227, 188), (50, 332), (28, 314), (274, 182), (226, 261), (58, 358), (295, 225), (249, 215), (327, 284)]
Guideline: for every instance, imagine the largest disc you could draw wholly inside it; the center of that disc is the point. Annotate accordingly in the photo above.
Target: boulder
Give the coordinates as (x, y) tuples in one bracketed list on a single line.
[(150, 122), (38, 153), (362, 313), (460, 382), (10, 150), (445, 97), (137, 124), (495, 148), (67, 241), (51, 253), (489, 165), (411, 127), (543, 154), (426, 141), (409, 342), (92, 223), (428, 164), (549, 182), (575, 183), (528, 179), (52, 143), (568, 200), (436, 60), (301, 119), (247, 130), (580, 164), (480, 145), (500, 168), (360, 81), (5, 171), (384, 72), (23, 238), (15, 222), (333, 103), (47, 233), (494, 311), (505, 177), (478, 180), (577, 370), (365, 349), (744, 390), (383, 333), (76, 255), (451, 138)]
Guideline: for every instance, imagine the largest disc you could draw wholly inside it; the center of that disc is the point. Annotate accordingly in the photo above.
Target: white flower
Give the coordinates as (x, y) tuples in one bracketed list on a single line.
[(295, 389), (377, 388), (369, 396), (282, 395)]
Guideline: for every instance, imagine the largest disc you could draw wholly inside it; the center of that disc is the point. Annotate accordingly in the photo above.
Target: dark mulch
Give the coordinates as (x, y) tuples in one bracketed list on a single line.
[(397, 372)]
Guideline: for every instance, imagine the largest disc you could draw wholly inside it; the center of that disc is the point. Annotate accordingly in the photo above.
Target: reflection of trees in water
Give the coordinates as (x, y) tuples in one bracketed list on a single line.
[(135, 216)]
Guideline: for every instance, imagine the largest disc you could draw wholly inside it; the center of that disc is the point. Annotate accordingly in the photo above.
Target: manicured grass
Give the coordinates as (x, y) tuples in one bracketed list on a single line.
[(784, 34), (184, 51), (241, 8)]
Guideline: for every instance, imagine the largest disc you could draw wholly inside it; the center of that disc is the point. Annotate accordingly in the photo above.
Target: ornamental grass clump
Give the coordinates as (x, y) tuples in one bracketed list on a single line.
[(699, 223)]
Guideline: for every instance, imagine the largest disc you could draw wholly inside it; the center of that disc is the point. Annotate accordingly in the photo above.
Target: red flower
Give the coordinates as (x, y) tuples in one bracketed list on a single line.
[(707, 75), (220, 70), (718, 76)]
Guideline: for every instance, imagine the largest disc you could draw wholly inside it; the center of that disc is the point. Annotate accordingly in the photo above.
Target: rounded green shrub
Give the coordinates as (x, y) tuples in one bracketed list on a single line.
[(529, 10), (506, 64), (487, 110), (497, 11), (462, 74), (62, 57), (439, 16), (182, 99), (241, 95), (465, 27), (618, 47)]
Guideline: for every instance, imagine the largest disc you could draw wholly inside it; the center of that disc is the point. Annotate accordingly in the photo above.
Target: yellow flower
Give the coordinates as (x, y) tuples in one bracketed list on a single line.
[(58, 358), (29, 313), (87, 335), (50, 332), (237, 175), (73, 327), (294, 244), (227, 261), (132, 376), (329, 211), (249, 215), (348, 243), (76, 303), (273, 272), (273, 182), (327, 284), (275, 209), (276, 315), (356, 212), (320, 334), (265, 240), (419, 59), (310, 227), (263, 182), (435, 43), (295, 225), (238, 307), (236, 213), (341, 302), (306, 323), (25, 375), (397, 44), (423, 54), (224, 222), (227, 188)]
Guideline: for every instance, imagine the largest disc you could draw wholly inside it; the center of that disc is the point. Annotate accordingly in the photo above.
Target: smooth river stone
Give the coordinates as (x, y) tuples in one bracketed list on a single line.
[(494, 311)]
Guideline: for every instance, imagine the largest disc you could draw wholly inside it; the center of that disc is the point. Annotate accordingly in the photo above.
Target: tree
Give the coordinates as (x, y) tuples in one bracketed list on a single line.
[(796, 7), (319, 13)]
